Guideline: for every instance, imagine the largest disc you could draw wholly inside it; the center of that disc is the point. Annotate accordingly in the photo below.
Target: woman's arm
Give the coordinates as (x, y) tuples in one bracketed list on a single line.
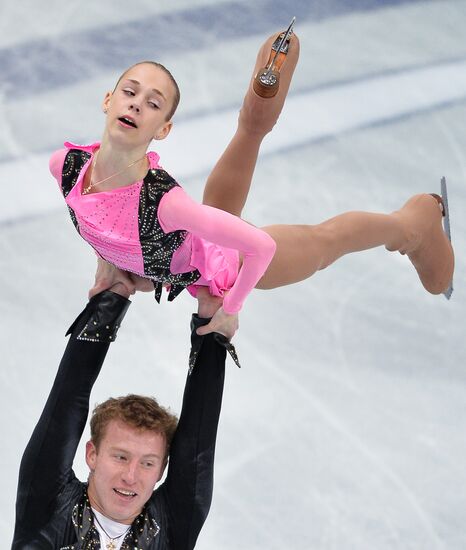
[(178, 211)]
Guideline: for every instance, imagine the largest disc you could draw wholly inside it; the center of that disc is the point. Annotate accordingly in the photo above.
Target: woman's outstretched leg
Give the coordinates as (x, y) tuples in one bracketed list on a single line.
[(228, 185), (415, 230)]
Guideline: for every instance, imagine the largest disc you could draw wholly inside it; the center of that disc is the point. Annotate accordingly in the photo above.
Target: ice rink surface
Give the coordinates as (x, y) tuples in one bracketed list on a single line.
[(346, 427)]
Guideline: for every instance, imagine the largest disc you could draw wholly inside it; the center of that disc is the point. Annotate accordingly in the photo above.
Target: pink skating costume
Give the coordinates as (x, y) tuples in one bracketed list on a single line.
[(153, 229)]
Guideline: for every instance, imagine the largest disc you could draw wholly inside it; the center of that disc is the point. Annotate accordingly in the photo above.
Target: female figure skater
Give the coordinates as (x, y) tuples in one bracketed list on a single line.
[(148, 232)]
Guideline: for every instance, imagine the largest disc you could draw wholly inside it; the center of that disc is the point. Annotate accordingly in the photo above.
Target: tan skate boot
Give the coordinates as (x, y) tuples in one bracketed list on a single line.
[(267, 80), (259, 114), (426, 244)]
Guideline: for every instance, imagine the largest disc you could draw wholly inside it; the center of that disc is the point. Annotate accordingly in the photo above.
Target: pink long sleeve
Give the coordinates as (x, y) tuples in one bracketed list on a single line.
[(178, 211)]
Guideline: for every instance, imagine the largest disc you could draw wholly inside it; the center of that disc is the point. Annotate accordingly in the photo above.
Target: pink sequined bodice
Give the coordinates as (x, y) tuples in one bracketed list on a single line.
[(108, 221)]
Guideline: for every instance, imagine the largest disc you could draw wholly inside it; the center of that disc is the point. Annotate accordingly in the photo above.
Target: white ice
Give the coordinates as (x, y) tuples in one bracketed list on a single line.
[(345, 429)]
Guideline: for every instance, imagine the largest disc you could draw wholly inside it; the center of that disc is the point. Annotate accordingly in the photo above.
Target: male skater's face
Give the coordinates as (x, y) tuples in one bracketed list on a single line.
[(124, 470)]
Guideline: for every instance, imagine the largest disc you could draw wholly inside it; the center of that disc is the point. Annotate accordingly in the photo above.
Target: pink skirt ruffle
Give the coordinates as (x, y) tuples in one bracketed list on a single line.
[(217, 265)]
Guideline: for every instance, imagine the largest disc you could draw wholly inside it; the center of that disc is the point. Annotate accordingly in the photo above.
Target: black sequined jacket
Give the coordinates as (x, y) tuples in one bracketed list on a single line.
[(52, 510)]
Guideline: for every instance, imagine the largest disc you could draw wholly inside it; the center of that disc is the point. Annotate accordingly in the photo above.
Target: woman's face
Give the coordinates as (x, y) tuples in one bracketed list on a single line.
[(137, 109)]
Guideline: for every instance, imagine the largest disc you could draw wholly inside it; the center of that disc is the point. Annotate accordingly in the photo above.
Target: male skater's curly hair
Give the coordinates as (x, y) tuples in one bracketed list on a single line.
[(139, 412)]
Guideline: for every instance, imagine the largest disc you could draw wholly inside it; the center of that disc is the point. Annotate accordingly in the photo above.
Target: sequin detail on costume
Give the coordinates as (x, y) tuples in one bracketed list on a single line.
[(157, 246), (123, 227), (143, 529), (74, 161)]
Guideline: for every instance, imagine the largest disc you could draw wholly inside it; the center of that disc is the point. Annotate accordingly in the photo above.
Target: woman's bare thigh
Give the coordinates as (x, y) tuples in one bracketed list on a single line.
[(300, 253)]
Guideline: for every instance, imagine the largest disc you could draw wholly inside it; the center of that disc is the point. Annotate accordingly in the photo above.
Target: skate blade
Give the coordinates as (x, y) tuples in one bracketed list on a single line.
[(281, 43), (446, 226), (266, 82)]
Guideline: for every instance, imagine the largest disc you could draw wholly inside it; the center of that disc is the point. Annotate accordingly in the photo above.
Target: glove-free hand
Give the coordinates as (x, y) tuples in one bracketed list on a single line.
[(109, 277), (223, 323)]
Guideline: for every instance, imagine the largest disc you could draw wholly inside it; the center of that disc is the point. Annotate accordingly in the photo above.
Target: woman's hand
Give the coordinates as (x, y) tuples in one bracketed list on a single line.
[(108, 276), (224, 323)]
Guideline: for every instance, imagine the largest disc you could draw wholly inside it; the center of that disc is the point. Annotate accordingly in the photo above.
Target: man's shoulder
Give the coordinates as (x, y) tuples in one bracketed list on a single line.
[(70, 496), (59, 530), (157, 505), (74, 487)]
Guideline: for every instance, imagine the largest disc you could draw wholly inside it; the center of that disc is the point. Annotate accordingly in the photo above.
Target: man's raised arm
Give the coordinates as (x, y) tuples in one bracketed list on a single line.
[(189, 483), (46, 466)]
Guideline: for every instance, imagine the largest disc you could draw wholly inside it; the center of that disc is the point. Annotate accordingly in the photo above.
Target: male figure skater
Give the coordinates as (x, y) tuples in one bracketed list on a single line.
[(131, 439)]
